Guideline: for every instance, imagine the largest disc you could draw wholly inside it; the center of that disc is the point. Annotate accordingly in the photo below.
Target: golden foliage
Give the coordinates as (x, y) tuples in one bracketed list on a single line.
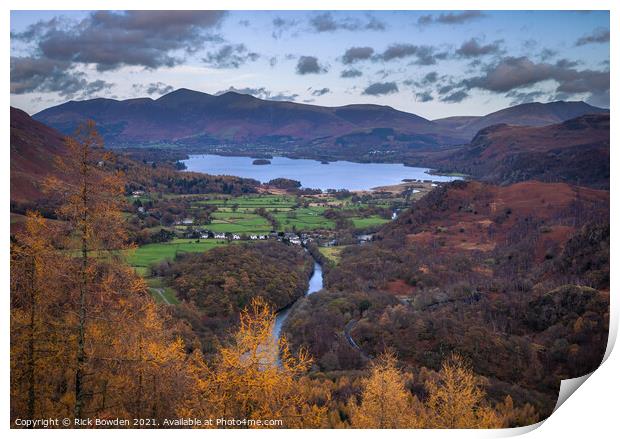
[(256, 377), (385, 401), (456, 400)]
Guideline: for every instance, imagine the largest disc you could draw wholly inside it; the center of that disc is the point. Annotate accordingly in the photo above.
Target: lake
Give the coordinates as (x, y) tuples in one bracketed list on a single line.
[(311, 173)]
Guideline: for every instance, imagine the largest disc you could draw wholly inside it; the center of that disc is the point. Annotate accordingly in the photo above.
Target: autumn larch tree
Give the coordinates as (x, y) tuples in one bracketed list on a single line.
[(91, 196), (456, 399), (34, 269), (257, 376), (385, 402)]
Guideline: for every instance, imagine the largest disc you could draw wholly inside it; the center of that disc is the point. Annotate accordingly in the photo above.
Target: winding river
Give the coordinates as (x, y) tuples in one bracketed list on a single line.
[(315, 284)]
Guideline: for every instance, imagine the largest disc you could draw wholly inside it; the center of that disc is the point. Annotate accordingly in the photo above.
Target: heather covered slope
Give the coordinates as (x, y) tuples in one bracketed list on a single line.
[(531, 114), (515, 278), (189, 117), (575, 151), (34, 147)]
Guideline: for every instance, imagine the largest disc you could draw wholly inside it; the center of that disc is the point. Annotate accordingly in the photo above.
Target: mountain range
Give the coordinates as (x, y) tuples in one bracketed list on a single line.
[(190, 118), (555, 142)]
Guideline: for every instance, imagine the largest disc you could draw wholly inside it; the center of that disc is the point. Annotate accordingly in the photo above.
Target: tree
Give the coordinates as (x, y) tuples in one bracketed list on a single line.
[(34, 269), (456, 400), (385, 402), (91, 196), (257, 377)]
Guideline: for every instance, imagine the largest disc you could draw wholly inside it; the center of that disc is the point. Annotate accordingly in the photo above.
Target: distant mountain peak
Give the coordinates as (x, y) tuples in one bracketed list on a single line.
[(527, 114), (236, 96), (183, 95)]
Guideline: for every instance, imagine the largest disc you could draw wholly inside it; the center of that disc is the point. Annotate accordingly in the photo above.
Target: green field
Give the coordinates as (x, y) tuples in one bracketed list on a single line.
[(268, 202), (361, 223), (237, 214), (238, 222), (305, 218), (144, 256)]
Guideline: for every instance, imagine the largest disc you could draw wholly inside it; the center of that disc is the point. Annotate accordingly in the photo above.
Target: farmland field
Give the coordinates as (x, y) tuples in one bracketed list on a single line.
[(360, 223), (238, 214), (238, 222), (306, 218), (144, 256)]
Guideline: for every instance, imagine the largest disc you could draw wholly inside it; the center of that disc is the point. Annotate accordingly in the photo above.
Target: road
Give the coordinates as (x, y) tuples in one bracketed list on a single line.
[(160, 293), (347, 334)]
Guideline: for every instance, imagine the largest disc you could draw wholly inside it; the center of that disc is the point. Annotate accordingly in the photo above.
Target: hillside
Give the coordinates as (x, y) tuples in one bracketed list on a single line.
[(531, 114), (187, 117), (34, 147), (575, 151), (508, 276)]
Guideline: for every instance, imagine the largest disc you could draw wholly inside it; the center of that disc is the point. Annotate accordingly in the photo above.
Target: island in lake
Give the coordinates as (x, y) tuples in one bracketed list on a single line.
[(261, 162)]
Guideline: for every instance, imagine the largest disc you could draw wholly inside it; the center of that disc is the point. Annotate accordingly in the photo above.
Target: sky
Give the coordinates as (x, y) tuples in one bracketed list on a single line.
[(434, 64)]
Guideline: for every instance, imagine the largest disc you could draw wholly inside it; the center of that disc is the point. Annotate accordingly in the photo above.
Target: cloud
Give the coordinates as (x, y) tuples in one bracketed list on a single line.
[(309, 64), (518, 73), (381, 88), (600, 35), (546, 54), (455, 97), (30, 74), (396, 51), (230, 56), (425, 55), (154, 88), (283, 96), (261, 93), (430, 78), (281, 25), (374, 23), (110, 39), (423, 96), (473, 49), (325, 22), (524, 97), (350, 73), (450, 18), (355, 54), (446, 89), (321, 92)]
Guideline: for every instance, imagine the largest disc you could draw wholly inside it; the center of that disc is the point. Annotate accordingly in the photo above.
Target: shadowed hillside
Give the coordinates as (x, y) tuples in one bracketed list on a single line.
[(575, 151), (34, 147), (531, 114)]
